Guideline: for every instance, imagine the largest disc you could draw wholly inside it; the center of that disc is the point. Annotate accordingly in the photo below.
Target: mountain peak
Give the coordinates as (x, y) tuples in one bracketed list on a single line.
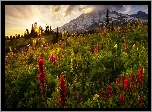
[(89, 20)]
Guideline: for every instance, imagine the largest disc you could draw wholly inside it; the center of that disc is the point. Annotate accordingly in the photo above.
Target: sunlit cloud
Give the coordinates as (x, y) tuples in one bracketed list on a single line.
[(88, 10)]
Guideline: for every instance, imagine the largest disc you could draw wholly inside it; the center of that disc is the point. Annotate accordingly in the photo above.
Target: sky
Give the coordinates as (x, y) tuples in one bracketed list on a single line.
[(18, 18)]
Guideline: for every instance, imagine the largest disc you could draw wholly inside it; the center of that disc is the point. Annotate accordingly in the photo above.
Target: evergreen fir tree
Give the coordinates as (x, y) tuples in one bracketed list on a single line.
[(107, 25)]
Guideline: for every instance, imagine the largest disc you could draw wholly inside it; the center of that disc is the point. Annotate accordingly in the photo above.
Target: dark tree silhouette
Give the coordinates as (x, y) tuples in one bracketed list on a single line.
[(55, 37), (18, 36), (107, 25), (11, 37), (46, 29), (26, 34), (32, 30)]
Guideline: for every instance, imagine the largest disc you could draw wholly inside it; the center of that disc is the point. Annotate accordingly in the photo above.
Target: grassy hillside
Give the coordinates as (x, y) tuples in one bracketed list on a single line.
[(90, 65)]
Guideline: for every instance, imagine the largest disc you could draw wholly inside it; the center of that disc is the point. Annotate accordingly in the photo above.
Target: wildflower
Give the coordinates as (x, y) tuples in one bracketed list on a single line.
[(43, 91), (115, 46), (137, 43), (140, 75), (41, 65), (139, 100), (103, 94), (10, 49), (117, 82), (95, 97), (96, 47), (125, 45), (140, 71), (42, 75), (62, 91), (133, 46), (110, 91), (126, 84), (52, 58), (102, 32), (132, 78), (121, 98)]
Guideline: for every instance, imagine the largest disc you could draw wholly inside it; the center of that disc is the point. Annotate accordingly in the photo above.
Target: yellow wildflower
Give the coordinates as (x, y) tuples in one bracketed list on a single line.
[(95, 97)]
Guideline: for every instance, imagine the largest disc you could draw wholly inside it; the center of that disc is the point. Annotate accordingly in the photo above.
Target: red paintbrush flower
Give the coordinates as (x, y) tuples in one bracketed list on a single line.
[(139, 100), (42, 81), (52, 58), (41, 77), (41, 65), (102, 32), (121, 98), (63, 92), (110, 91), (126, 84), (43, 91), (132, 77), (140, 76), (103, 95), (140, 71), (96, 47)]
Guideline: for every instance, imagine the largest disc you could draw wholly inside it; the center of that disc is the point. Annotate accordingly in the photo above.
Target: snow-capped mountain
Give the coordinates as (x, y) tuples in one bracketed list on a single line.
[(95, 19)]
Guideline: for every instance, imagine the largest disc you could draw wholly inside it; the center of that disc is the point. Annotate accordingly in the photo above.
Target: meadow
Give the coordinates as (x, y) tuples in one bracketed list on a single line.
[(106, 69)]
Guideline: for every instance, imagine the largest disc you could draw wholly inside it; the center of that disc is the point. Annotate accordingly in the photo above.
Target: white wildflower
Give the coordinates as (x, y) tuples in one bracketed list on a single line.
[(115, 46), (133, 46), (10, 49)]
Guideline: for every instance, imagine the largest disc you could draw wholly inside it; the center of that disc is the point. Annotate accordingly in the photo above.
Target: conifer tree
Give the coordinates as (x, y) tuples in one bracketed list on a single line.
[(107, 25)]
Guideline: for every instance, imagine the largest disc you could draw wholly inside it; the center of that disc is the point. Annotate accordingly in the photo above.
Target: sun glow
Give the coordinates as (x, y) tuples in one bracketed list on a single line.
[(36, 29), (88, 10)]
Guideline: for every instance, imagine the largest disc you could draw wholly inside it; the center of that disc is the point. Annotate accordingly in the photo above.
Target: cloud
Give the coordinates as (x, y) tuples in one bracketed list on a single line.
[(69, 10), (56, 8), (100, 7), (126, 9), (109, 7), (132, 9)]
